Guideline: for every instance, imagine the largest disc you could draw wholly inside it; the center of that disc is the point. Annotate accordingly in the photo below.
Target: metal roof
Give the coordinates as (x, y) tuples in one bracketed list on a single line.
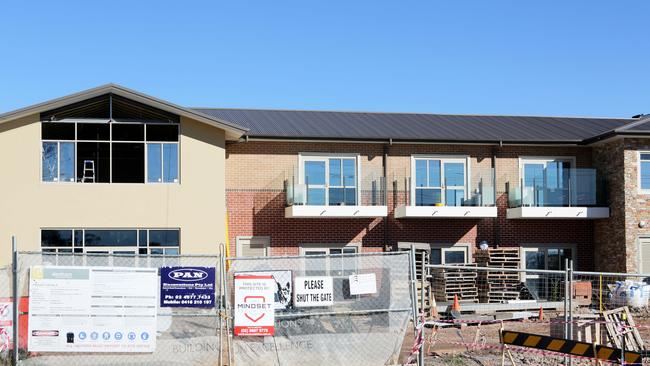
[(295, 124)]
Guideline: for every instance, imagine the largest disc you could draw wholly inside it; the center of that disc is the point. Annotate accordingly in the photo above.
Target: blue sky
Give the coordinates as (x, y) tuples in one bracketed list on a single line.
[(484, 57)]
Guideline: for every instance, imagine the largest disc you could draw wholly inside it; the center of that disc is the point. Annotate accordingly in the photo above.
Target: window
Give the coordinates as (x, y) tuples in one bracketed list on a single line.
[(330, 180), (545, 181), (334, 266), (162, 163), (449, 254), (550, 257), (118, 241), (439, 181), (644, 171), (253, 246), (115, 152), (58, 161), (644, 258)]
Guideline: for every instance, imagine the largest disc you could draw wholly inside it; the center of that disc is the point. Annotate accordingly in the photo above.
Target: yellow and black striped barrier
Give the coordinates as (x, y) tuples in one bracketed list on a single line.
[(570, 347)]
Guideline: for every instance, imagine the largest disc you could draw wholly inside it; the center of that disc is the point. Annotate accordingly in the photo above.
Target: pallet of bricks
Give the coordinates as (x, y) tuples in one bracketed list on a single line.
[(498, 286), (448, 282)]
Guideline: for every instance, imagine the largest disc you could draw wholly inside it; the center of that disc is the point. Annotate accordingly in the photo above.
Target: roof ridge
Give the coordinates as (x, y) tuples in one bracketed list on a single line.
[(407, 113)]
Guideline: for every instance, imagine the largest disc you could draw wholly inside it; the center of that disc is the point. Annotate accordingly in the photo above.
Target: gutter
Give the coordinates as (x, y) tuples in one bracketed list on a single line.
[(414, 142)]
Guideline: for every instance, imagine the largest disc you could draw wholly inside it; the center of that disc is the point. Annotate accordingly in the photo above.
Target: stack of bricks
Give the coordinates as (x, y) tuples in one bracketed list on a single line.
[(498, 286)]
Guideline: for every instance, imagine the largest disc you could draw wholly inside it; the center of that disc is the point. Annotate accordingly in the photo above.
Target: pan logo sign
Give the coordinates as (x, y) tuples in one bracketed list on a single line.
[(254, 305), (188, 274), (190, 287)]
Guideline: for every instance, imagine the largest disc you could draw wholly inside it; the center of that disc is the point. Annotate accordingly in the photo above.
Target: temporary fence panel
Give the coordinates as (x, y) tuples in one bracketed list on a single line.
[(6, 315), (183, 336), (352, 329), (621, 301), (489, 298)]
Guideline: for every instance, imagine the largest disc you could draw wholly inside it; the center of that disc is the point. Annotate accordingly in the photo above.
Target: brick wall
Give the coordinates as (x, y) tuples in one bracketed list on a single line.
[(256, 201)]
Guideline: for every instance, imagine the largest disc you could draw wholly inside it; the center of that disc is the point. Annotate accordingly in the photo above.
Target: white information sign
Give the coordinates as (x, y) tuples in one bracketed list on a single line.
[(92, 309), (362, 284), (254, 305), (313, 291)]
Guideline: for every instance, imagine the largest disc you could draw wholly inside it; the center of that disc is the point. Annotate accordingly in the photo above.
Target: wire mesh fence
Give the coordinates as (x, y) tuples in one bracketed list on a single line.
[(184, 336), (359, 329)]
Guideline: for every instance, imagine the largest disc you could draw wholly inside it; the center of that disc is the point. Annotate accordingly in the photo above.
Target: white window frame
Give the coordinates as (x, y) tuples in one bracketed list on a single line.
[(110, 141), (58, 161), (639, 241), (240, 239), (641, 190), (326, 247), (309, 156), (545, 160), (110, 249), (464, 159), (543, 247), (444, 248)]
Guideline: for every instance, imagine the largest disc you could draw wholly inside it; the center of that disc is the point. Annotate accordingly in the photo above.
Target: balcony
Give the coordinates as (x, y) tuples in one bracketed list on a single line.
[(569, 194), (456, 198), (364, 198)]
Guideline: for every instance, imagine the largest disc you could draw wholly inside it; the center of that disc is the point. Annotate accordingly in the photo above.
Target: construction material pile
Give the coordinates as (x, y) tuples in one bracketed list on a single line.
[(448, 282), (498, 286)]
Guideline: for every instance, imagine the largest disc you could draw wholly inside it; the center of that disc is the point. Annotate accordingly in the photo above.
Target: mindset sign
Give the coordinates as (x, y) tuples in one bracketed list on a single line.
[(189, 287)]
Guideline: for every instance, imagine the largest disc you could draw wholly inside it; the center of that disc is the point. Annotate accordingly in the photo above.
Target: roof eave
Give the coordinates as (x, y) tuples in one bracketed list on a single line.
[(233, 131)]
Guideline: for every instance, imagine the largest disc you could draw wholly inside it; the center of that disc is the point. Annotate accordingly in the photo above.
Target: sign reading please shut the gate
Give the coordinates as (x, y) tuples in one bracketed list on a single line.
[(254, 305)]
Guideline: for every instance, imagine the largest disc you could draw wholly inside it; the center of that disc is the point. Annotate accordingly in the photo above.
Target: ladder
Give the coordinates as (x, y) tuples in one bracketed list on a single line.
[(89, 171)]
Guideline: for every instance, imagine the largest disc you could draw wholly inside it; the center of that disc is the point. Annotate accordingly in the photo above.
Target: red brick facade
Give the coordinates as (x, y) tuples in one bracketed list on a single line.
[(256, 200)]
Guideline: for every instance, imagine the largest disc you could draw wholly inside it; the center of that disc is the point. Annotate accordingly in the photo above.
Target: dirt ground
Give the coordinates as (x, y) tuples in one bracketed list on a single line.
[(474, 345)]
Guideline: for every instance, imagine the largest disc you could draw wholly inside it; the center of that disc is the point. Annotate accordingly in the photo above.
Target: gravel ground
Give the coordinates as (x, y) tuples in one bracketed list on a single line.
[(452, 345)]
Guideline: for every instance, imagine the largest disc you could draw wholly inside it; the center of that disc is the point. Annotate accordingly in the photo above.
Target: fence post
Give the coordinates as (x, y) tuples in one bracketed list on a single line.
[(422, 283), (566, 304), (570, 272), (16, 300), (414, 296), (220, 310)]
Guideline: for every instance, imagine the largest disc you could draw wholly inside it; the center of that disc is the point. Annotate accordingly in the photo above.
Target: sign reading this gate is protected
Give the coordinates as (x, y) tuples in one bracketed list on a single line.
[(254, 305)]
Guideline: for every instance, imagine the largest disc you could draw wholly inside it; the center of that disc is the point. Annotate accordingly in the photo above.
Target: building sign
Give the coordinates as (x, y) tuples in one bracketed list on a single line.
[(283, 282), (92, 309), (190, 287), (313, 291), (254, 305), (6, 326)]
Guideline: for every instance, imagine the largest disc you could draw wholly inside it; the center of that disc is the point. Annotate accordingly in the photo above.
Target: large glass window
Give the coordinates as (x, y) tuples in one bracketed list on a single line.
[(545, 182), (58, 161), (551, 257), (330, 180), (644, 170), (162, 163), (124, 241), (113, 152), (440, 181)]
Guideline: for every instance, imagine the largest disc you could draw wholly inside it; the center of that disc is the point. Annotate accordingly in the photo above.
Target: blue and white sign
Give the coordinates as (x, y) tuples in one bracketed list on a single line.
[(189, 287)]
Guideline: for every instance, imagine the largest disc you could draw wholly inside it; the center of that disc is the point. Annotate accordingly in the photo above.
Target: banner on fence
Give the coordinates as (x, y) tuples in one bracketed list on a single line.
[(89, 309), (189, 287), (567, 346), (313, 291), (6, 325), (254, 305)]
